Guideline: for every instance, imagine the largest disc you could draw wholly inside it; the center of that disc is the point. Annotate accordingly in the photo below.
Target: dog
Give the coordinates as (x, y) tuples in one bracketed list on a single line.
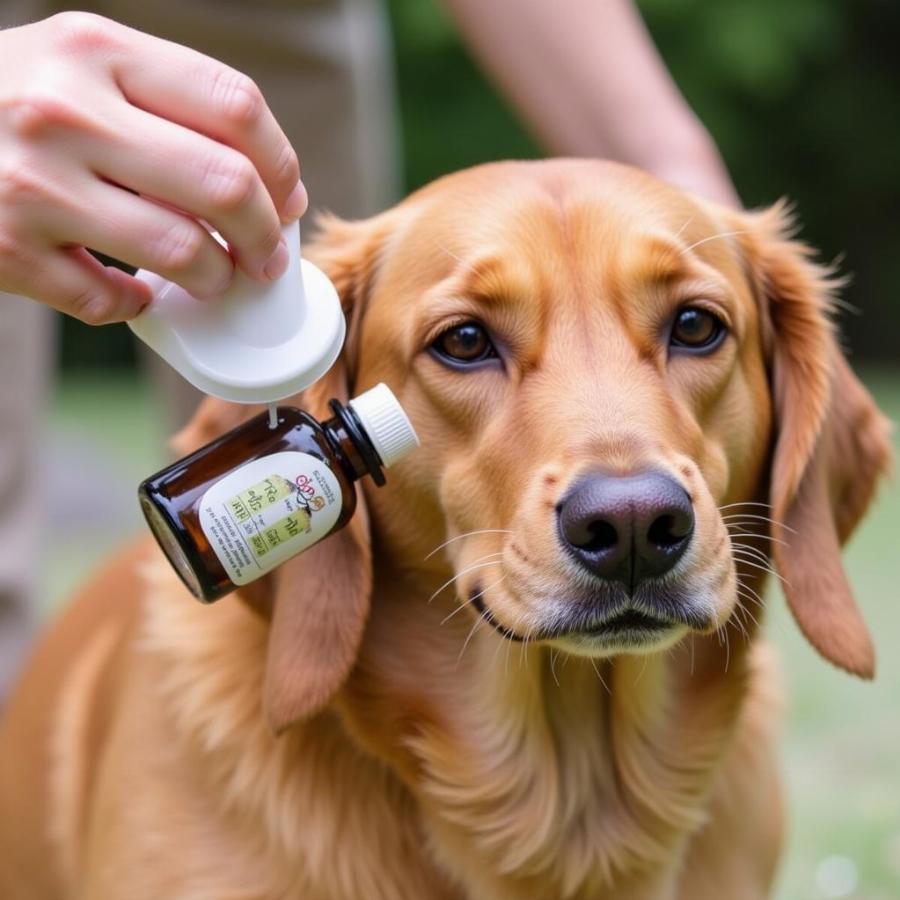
[(530, 668)]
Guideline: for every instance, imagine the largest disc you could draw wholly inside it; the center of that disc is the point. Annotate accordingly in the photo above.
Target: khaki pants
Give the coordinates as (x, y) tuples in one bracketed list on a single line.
[(26, 337), (325, 69)]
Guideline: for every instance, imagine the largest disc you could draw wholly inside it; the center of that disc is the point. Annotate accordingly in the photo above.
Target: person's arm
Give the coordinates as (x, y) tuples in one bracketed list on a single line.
[(587, 78), (120, 142)]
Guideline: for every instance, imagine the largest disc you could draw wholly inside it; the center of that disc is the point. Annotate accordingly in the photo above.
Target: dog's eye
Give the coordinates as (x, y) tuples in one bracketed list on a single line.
[(465, 343), (697, 329)]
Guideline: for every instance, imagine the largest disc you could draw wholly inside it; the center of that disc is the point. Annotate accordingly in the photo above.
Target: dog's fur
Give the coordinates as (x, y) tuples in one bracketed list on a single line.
[(331, 734)]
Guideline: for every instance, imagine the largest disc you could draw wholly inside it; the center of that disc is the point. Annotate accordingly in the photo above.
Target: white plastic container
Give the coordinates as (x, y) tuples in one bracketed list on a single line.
[(257, 343)]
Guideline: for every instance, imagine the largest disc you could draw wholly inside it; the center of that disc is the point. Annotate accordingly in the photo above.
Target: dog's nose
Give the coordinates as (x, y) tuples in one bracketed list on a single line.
[(627, 528)]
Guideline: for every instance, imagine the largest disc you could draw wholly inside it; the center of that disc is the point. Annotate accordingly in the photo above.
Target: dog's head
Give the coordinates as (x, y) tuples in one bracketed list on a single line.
[(623, 393)]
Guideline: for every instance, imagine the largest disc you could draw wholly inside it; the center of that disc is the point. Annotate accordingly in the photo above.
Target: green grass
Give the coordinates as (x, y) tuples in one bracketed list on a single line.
[(841, 746)]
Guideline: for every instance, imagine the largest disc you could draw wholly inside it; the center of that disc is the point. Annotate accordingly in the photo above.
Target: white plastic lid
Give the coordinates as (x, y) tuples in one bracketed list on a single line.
[(386, 424), (257, 343)]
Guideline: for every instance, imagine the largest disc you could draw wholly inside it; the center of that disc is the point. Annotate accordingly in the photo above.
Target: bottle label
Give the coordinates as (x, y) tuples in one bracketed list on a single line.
[(269, 510)]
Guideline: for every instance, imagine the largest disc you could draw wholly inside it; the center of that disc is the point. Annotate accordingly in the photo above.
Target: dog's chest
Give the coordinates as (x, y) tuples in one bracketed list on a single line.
[(538, 781)]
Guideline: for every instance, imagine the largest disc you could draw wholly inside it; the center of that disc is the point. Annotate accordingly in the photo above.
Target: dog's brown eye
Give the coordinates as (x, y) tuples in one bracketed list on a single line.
[(465, 343), (697, 329)]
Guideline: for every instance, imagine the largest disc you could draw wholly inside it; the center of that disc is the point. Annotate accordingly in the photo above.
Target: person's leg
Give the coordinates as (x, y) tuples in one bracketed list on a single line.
[(26, 345), (26, 360)]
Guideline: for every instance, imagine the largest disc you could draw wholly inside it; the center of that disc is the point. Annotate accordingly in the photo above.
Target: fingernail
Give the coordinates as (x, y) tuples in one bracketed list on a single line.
[(296, 203), (278, 262)]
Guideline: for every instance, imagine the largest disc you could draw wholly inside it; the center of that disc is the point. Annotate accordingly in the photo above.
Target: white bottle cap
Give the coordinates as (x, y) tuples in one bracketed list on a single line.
[(387, 425), (257, 343)]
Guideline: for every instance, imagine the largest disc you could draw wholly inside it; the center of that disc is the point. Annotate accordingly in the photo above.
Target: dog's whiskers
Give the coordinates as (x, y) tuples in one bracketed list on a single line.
[(744, 503), (506, 658), (683, 227), (523, 646), (499, 644), (764, 537), (745, 592), (529, 634), (736, 534), (712, 237), (553, 655), (723, 632), (597, 673), (758, 511), (757, 517), (471, 599), (459, 537), (481, 563), (468, 267), (641, 673), (754, 552), (737, 620), (749, 548), (744, 561), (478, 622), (755, 596), (743, 609)]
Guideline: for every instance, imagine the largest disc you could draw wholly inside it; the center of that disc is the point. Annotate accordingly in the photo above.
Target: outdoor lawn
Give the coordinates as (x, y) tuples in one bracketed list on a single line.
[(842, 737)]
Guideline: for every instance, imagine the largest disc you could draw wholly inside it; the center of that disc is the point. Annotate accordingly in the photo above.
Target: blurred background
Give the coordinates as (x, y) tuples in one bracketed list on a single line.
[(803, 99)]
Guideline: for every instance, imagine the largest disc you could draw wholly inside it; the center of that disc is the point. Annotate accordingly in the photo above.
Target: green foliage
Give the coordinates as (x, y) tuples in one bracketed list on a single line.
[(451, 118)]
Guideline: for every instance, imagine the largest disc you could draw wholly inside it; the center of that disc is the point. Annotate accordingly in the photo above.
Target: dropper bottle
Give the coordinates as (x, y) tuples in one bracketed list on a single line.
[(242, 505)]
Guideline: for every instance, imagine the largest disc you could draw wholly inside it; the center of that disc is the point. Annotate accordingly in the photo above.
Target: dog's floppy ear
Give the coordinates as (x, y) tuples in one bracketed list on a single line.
[(319, 600), (831, 441)]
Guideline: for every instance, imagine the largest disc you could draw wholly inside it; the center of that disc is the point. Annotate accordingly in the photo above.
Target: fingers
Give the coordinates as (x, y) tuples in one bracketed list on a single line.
[(202, 94), (91, 105), (72, 281), (200, 176), (147, 235)]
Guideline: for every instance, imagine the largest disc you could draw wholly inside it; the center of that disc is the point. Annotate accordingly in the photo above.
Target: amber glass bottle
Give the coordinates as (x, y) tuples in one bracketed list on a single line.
[(242, 505)]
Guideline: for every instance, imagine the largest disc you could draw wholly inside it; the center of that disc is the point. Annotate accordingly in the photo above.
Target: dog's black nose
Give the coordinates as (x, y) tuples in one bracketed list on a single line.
[(627, 528)]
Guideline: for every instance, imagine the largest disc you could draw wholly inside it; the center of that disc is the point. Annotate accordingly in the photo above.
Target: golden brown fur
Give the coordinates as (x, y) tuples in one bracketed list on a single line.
[(330, 734)]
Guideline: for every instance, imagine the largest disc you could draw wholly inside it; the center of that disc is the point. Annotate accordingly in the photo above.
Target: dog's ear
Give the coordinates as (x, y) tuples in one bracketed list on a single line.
[(831, 446), (318, 601)]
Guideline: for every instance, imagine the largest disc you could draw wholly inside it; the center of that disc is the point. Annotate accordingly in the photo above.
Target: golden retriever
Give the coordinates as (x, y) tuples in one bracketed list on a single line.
[(530, 668)]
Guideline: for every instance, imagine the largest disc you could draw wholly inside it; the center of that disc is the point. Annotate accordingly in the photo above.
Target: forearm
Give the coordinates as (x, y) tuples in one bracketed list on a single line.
[(587, 78)]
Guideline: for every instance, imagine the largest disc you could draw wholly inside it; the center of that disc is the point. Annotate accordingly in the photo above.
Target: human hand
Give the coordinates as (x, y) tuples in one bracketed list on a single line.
[(121, 142)]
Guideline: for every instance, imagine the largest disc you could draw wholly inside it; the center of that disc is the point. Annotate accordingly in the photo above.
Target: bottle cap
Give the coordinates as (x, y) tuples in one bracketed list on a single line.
[(386, 424), (257, 343)]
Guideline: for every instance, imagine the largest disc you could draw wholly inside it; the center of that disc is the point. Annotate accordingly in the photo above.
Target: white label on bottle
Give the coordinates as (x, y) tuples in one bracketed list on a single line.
[(269, 510)]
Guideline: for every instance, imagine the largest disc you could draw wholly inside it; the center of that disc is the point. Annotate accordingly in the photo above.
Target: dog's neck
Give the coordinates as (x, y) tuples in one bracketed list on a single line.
[(526, 775), (562, 776)]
